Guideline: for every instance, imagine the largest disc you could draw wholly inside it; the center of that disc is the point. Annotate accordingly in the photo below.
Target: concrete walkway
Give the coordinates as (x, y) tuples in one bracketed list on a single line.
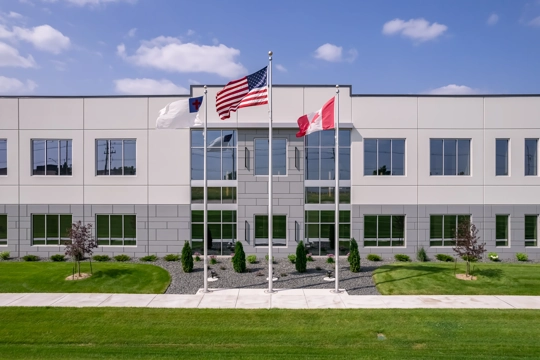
[(283, 298)]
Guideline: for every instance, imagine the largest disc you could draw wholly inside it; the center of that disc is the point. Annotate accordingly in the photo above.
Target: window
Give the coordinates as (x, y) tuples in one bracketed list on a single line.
[(320, 155), (215, 195), (384, 157), (531, 232), (49, 229), (442, 229), (116, 157), (450, 157), (531, 158), (501, 230), (3, 157), (3, 229), (51, 157), (116, 230), (384, 230), (320, 230), (220, 155), (279, 230), (279, 156), (326, 195), (221, 229), (501, 155)]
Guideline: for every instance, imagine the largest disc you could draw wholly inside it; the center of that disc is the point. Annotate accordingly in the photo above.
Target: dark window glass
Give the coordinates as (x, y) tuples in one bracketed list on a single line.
[(449, 159), (370, 157), (398, 157), (116, 157), (38, 157), (501, 157), (344, 163), (130, 157), (312, 195), (117, 230), (384, 152), (328, 162), (49, 229), (370, 227), (384, 230), (464, 157), (3, 157), (52, 157), (531, 161), (279, 156), (328, 195), (66, 162), (3, 229), (115, 154), (102, 162), (312, 163), (436, 227), (531, 222), (501, 230), (384, 157), (436, 156), (344, 195)]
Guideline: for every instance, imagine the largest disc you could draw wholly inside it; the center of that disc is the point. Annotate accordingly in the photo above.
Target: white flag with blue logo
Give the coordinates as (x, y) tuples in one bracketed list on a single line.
[(181, 114)]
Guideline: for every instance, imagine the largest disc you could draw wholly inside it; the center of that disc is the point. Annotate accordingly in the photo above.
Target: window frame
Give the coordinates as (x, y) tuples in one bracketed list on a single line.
[(46, 157), (391, 156), (321, 223), (61, 239), (320, 147), (286, 156), (266, 245), (525, 157), (5, 141), (456, 154), (234, 139), (508, 157), (109, 159), (391, 239), (4, 241), (444, 240), (222, 224), (500, 240), (110, 238)]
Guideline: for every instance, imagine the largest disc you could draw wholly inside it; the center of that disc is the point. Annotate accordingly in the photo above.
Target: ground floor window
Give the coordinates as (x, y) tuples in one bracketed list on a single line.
[(501, 230), (279, 230), (116, 230), (320, 231), (531, 230), (3, 229), (442, 229), (50, 229), (384, 230), (221, 231)]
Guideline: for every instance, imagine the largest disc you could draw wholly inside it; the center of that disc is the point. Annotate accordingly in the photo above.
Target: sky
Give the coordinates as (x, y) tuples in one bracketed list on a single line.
[(150, 47)]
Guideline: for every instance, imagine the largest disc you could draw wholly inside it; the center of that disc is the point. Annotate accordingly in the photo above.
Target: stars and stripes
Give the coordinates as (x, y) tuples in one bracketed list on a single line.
[(251, 90)]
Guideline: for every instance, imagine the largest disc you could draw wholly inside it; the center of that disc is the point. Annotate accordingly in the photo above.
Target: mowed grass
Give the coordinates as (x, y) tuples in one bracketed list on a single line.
[(438, 279), (92, 333), (17, 277)]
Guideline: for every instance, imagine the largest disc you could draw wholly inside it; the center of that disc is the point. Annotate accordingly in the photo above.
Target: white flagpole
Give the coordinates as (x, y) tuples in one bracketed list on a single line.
[(205, 195), (336, 191), (270, 178)]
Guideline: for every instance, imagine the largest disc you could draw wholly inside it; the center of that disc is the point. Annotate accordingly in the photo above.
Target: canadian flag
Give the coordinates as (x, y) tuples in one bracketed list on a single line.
[(323, 119)]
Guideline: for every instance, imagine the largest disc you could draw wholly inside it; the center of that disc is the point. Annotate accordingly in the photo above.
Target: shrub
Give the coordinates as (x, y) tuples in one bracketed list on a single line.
[(122, 258), (101, 258), (522, 257), (187, 258), (252, 259), (330, 258), (197, 256), (354, 256), (4, 255), (58, 258), (309, 257), (172, 257), (402, 257), (239, 258), (373, 257), (300, 258), (421, 255), (266, 258), (292, 258), (30, 258), (213, 260), (149, 258), (444, 257), (81, 243), (493, 256), (467, 244), (469, 258)]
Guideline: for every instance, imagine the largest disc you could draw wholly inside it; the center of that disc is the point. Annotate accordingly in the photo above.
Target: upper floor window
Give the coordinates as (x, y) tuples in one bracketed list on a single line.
[(531, 157), (327, 195), (501, 157), (116, 157), (52, 157), (384, 157), (214, 195), (221, 162), (320, 155), (450, 157), (279, 156)]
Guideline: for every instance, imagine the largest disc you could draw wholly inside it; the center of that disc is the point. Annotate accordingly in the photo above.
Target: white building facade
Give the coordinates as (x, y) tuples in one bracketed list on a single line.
[(411, 167)]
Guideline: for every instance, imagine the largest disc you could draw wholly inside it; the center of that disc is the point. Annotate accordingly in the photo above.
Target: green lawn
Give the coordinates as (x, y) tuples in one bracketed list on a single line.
[(16, 277), (92, 333), (438, 279)]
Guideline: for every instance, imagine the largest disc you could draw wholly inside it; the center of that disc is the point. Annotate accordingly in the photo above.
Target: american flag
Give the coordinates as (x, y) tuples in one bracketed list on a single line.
[(248, 91)]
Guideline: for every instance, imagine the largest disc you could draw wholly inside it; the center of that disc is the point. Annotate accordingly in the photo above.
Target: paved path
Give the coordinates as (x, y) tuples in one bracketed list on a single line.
[(285, 299)]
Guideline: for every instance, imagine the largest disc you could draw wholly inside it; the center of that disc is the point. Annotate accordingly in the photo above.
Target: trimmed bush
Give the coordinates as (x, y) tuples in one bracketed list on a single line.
[(187, 258), (309, 257), (373, 257), (444, 257), (172, 257), (330, 259), (300, 258), (149, 258), (354, 256), (252, 259), (493, 256), (101, 258), (292, 258), (197, 256), (522, 257), (239, 258), (122, 258), (30, 258), (402, 257), (58, 258), (470, 258), (4, 255), (421, 255), (213, 260)]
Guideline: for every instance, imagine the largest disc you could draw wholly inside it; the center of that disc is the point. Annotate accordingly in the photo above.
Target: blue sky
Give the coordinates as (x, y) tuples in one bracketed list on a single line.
[(105, 47)]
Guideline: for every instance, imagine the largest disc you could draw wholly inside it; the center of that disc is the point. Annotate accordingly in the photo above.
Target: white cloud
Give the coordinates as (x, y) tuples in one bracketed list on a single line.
[(44, 37), (493, 19), (190, 32), (92, 3), (416, 29), (334, 53), (9, 56), (281, 68), (28, 2), (535, 22), (132, 32), (453, 89), (170, 54), (148, 87), (14, 15), (15, 86)]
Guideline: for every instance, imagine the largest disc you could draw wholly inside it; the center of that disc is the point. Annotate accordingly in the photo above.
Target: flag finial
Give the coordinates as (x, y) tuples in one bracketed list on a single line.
[(205, 89), (270, 53), (337, 89)]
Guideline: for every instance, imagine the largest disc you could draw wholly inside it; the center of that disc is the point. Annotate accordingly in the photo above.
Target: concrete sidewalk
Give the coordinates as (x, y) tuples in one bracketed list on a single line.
[(283, 298)]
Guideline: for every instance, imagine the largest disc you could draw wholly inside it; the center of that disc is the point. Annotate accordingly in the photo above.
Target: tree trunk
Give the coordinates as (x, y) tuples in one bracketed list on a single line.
[(79, 264), (468, 268), (91, 271)]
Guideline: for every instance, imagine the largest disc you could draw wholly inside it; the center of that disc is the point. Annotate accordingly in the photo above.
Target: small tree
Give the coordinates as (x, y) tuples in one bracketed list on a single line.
[(239, 258), (81, 243), (209, 239), (187, 258), (301, 258), (467, 245), (354, 256)]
